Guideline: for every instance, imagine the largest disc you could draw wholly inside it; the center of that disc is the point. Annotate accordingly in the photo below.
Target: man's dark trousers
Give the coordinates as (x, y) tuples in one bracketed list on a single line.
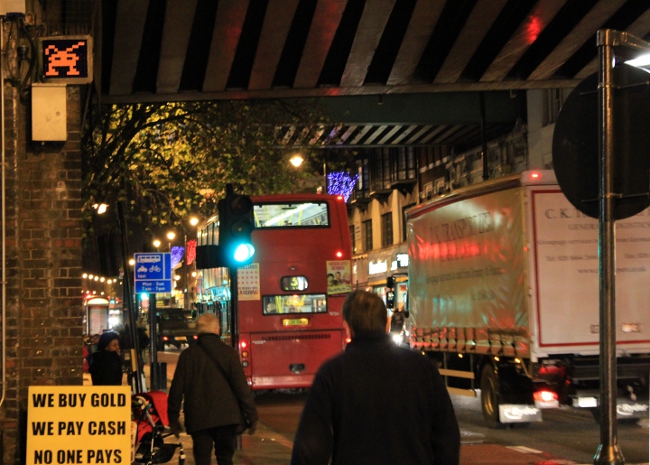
[(224, 439)]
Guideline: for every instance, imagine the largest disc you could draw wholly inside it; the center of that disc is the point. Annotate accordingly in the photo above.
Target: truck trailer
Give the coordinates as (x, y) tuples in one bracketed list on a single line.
[(504, 295)]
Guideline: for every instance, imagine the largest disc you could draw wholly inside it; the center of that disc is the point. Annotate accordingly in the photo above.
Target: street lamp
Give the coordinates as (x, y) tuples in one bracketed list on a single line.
[(156, 244), (296, 160), (170, 236)]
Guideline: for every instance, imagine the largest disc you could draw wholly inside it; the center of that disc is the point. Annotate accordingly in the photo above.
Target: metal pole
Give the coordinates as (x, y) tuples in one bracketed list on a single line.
[(608, 451), (153, 345), (234, 304), (128, 295)]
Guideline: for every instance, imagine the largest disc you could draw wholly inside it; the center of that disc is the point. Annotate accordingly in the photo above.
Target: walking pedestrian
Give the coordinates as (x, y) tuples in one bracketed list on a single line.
[(376, 403), (210, 382)]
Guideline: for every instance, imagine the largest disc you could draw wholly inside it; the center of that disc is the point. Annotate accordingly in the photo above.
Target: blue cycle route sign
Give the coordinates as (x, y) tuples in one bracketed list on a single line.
[(153, 272)]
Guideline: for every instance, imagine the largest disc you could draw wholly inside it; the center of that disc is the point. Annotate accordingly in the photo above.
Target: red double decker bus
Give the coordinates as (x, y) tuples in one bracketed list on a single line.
[(286, 317)]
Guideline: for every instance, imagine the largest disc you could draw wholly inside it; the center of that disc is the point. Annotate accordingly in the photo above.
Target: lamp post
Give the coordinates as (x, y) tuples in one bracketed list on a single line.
[(297, 160), (128, 297), (171, 235)]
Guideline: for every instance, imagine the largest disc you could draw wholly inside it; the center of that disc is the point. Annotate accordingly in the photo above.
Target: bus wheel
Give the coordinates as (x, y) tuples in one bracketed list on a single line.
[(490, 397)]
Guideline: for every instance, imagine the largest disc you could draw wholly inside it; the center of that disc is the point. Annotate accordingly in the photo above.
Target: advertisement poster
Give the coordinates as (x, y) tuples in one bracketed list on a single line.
[(248, 282), (338, 277), (79, 424)]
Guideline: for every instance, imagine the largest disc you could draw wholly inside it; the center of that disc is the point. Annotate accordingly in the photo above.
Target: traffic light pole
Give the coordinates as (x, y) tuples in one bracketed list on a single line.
[(234, 302)]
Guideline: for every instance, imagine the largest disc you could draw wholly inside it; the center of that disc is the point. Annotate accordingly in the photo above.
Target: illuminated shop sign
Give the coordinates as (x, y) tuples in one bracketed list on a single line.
[(380, 266)]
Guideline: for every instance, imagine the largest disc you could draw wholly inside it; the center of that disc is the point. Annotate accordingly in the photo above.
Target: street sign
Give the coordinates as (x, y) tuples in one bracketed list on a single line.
[(576, 137), (153, 272)]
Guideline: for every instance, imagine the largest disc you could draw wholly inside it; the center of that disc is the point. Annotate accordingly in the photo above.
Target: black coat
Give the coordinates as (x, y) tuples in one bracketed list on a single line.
[(106, 368), (377, 403), (208, 399)]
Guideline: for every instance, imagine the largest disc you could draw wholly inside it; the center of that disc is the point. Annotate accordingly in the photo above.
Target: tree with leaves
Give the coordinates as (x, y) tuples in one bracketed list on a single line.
[(168, 161)]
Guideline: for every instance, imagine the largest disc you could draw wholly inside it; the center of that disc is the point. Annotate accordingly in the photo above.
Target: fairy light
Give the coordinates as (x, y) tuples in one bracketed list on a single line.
[(340, 183)]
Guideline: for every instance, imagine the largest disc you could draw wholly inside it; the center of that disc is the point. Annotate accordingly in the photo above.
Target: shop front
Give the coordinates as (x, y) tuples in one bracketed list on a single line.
[(372, 271)]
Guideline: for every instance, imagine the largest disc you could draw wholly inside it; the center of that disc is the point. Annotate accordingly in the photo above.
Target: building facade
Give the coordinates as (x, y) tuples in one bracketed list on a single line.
[(392, 180)]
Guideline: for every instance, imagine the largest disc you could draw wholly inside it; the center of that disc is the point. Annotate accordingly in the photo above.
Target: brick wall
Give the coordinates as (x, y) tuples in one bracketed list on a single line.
[(43, 251)]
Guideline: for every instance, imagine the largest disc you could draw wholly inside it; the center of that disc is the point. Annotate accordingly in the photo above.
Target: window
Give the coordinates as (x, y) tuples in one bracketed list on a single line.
[(404, 230), (367, 235), (362, 186), (278, 215), (352, 238), (380, 170), (294, 283), (553, 101), (404, 163), (387, 229), (295, 303)]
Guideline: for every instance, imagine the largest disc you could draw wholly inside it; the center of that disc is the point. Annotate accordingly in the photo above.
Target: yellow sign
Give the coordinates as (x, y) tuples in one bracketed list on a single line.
[(79, 425), (296, 322)]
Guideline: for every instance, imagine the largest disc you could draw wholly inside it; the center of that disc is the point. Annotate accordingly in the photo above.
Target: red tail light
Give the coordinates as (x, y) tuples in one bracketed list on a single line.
[(545, 395), (339, 254)]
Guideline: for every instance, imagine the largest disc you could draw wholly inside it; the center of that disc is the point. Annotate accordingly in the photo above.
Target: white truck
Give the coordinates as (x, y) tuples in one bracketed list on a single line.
[(504, 294)]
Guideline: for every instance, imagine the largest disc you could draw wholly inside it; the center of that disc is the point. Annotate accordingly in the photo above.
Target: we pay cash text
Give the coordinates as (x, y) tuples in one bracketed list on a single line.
[(71, 428)]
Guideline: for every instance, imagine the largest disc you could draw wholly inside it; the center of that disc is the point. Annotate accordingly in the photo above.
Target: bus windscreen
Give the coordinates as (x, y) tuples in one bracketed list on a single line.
[(291, 215)]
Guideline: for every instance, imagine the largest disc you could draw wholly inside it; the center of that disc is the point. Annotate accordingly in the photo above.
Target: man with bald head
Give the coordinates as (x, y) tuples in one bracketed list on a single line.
[(210, 380)]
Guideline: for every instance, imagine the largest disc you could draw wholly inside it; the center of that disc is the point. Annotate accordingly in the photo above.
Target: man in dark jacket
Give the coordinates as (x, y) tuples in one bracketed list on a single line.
[(376, 403), (211, 382)]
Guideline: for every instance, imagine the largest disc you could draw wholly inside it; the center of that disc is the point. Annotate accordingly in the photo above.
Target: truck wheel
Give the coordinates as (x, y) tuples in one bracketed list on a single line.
[(490, 397)]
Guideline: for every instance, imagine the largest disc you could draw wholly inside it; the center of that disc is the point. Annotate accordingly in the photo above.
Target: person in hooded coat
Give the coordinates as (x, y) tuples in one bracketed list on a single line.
[(106, 367)]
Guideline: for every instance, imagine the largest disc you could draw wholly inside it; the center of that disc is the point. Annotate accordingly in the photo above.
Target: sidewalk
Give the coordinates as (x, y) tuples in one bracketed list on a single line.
[(267, 447)]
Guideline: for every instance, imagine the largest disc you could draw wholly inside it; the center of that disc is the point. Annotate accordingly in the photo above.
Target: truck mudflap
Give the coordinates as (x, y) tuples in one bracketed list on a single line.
[(519, 413), (626, 408)]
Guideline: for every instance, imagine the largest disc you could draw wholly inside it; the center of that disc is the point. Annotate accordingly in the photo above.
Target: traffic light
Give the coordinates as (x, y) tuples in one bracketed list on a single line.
[(236, 223)]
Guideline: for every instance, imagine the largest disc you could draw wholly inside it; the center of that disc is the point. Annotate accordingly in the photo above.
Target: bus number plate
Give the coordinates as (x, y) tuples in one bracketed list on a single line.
[(295, 322)]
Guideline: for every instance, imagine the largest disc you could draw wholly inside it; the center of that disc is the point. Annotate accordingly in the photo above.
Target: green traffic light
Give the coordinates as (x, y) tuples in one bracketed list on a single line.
[(244, 252)]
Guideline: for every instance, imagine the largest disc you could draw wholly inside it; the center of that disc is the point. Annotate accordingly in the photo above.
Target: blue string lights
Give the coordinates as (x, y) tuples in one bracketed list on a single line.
[(341, 183)]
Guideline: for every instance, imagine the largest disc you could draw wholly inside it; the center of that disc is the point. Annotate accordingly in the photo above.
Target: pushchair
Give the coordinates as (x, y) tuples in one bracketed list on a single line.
[(150, 416)]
